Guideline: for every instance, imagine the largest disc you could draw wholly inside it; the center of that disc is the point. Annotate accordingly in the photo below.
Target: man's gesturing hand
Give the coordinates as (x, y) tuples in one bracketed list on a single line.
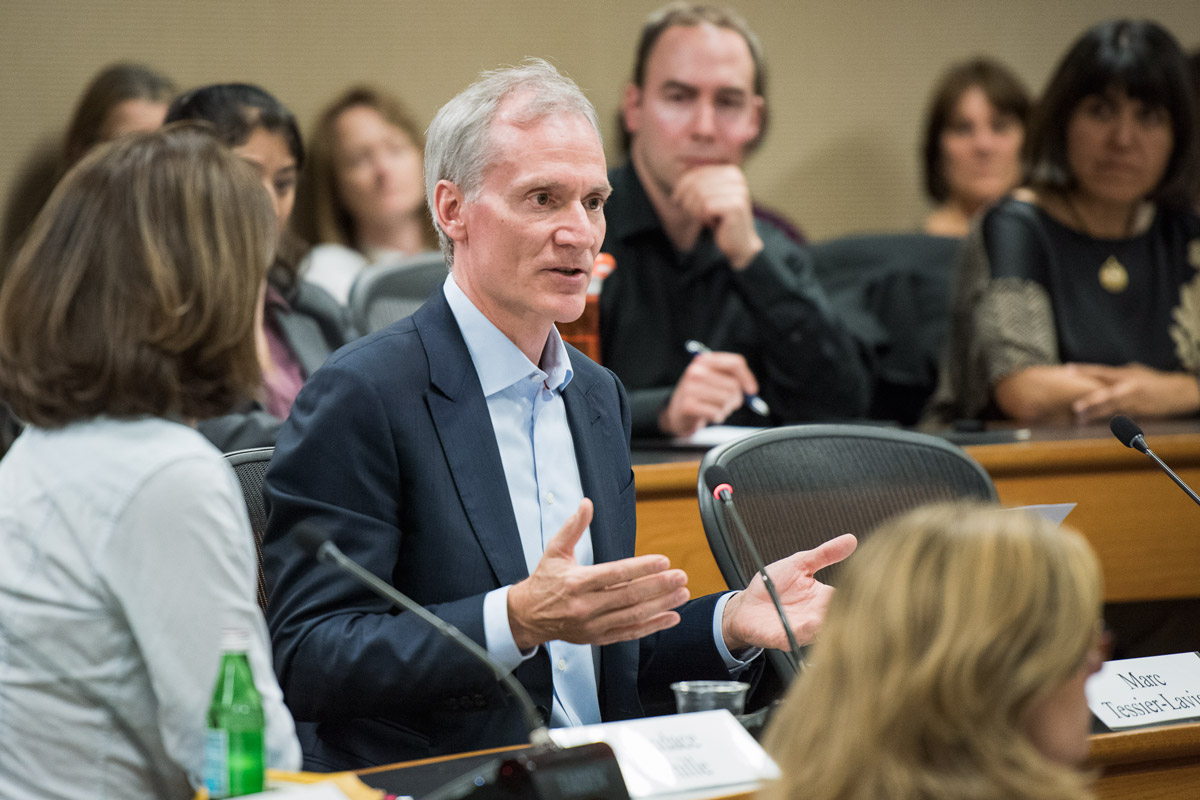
[(611, 602), (750, 618)]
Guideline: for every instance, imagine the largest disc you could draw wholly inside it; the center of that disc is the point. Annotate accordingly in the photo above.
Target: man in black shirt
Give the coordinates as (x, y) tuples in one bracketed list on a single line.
[(692, 263)]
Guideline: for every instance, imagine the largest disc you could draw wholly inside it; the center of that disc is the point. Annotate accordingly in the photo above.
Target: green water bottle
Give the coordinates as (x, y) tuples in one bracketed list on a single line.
[(235, 749)]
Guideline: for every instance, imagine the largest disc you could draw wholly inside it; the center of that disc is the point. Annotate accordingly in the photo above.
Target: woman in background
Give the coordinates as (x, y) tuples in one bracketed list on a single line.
[(951, 664), (122, 98), (1078, 296), (362, 198), (973, 134), (125, 538), (302, 325)]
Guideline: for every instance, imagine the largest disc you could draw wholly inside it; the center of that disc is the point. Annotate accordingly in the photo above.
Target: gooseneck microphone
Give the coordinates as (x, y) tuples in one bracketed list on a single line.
[(325, 551), (1130, 435), (718, 480), (546, 772)]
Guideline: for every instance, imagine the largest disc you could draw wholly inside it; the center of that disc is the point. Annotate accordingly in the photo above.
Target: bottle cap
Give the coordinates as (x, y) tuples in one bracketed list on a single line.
[(603, 266), (234, 640)]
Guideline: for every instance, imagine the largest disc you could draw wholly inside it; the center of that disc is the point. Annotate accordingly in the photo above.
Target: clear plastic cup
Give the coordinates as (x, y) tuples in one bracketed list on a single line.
[(709, 695)]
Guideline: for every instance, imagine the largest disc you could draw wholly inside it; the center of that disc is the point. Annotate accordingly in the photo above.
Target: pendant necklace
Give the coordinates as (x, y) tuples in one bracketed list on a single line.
[(1113, 276)]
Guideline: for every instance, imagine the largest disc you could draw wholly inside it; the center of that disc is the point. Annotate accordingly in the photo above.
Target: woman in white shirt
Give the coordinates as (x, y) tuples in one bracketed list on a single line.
[(127, 316), (361, 200)]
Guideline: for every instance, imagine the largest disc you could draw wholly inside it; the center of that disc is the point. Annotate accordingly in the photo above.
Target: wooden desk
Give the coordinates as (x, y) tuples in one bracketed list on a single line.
[(1160, 763), (1145, 531)]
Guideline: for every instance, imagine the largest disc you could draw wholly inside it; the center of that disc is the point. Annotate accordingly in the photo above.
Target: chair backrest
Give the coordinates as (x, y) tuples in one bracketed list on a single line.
[(250, 466), (892, 291), (384, 294), (798, 486)]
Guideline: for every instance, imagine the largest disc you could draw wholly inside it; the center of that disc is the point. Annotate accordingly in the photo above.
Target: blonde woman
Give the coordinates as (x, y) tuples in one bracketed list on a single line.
[(951, 665)]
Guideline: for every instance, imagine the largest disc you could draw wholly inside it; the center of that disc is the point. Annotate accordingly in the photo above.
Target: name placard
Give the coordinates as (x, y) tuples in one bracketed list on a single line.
[(1136, 692), (679, 753)]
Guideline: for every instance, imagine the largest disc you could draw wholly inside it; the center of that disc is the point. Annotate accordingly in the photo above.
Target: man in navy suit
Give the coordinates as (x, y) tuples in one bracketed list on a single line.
[(472, 459)]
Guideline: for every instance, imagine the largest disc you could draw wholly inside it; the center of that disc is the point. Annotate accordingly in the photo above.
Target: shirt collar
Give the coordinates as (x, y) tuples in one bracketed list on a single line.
[(498, 362)]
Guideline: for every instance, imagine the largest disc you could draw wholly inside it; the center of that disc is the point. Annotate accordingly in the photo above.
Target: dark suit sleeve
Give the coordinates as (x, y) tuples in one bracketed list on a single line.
[(342, 465)]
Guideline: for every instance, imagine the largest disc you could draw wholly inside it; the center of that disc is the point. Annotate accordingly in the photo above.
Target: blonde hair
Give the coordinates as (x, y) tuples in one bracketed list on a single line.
[(136, 291), (949, 625)]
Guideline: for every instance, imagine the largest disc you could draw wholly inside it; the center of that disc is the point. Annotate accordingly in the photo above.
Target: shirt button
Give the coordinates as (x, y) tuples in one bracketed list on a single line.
[(550, 498), (562, 665)]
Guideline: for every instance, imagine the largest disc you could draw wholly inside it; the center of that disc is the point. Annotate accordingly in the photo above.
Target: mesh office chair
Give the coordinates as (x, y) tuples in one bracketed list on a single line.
[(796, 487), (250, 466), (382, 295)]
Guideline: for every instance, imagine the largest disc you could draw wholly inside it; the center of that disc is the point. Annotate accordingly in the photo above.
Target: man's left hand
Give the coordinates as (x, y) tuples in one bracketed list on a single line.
[(750, 619), (717, 196)]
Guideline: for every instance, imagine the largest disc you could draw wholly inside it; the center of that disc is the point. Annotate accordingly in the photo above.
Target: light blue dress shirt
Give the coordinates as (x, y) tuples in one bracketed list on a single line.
[(537, 450)]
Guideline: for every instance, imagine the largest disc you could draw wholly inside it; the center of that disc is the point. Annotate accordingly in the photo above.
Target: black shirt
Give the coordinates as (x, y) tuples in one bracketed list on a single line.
[(1126, 322), (773, 313)]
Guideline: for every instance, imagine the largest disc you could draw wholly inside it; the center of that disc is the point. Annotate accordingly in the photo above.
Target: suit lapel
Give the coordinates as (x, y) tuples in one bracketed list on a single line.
[(596, 471), (616, 664), (464, 427)]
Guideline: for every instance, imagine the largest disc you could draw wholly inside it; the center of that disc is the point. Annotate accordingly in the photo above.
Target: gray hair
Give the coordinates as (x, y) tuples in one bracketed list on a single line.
[(458, 145)]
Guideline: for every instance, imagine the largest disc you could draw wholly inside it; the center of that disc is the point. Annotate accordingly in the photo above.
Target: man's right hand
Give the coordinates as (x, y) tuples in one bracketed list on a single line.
[(611, 602), (712, 387)]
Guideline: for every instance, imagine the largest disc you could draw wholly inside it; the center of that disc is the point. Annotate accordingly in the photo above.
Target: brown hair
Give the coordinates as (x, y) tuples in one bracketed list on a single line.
[(681, 13), (111, 86), (319, 216), (1004, 91), (136, 290)]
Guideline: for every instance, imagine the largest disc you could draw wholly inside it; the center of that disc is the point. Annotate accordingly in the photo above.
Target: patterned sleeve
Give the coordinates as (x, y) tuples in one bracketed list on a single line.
[(1001, 319), (1013, 328)]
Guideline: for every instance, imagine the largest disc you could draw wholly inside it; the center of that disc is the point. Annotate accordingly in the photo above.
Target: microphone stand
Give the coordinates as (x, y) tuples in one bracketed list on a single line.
[(545, 772)]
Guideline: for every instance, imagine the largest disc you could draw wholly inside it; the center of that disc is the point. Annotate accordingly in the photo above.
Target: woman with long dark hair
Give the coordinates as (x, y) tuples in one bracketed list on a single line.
[(1078, 296)]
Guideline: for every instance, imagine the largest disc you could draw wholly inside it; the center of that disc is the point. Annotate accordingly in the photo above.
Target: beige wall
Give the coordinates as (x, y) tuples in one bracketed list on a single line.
[(848, 79)]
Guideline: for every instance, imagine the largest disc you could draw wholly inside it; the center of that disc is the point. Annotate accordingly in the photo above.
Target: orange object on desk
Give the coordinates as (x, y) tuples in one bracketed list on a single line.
[(584, 333)]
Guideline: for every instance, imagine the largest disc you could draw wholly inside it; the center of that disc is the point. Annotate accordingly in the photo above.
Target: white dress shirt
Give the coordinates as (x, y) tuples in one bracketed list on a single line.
[(126, 548), (529, 419)]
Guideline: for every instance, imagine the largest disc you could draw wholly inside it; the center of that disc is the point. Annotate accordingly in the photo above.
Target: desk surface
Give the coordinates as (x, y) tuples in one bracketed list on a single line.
[(1161, 763), (1145, 531)]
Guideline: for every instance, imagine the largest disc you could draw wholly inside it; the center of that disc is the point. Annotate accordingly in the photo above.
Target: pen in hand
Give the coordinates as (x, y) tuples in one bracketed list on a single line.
[(756, 403)]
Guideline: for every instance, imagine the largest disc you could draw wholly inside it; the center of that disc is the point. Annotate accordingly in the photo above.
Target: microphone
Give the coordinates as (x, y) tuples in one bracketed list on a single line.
[(547, 772), (318, 545), (1130, 434), (717, 479)]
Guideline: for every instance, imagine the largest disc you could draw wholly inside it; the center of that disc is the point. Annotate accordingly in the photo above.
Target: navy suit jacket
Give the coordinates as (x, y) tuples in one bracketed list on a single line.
[(390, 451)]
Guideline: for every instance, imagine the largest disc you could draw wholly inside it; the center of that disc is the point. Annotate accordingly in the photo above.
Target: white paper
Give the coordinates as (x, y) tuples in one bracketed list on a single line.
[(1136, 692), (714, 435), (325, 790), (679, 753), (1055, 512)]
